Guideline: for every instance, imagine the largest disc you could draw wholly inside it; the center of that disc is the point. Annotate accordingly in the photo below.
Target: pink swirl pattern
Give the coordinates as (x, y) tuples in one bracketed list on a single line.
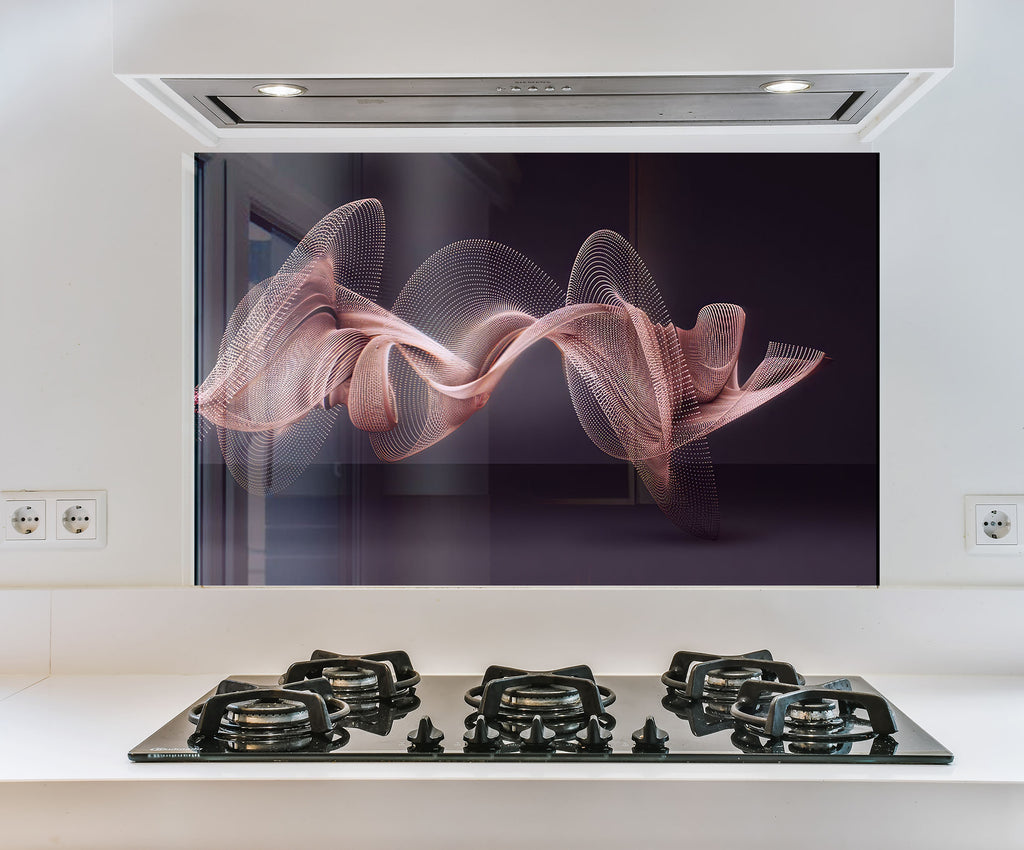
[(311, 340)]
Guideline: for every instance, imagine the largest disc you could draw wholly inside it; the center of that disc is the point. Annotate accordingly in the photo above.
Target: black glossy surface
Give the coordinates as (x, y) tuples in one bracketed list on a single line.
[(695, 734)]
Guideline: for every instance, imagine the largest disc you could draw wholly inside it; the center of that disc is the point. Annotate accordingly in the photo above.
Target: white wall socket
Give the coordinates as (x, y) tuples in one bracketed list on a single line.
[(53, 519), (76, 519), (25, 519), (992, 525)]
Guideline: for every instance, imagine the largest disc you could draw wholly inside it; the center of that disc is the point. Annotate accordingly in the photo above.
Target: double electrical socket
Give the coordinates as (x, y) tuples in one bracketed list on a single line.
[(54, 519), (991, 525)]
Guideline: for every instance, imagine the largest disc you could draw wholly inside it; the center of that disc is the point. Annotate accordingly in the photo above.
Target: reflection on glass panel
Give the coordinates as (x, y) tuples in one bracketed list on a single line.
[(269, 247), (519, 494)]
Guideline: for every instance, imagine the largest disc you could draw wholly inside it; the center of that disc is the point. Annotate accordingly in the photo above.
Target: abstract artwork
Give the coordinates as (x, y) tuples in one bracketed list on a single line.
[(540, 369), (312, 340)]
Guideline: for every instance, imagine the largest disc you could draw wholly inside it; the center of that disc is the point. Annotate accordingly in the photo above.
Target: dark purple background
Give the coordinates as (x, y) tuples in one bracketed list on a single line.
[(519, 494)]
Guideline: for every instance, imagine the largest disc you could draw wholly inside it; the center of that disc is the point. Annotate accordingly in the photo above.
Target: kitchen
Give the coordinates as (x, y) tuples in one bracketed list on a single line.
[(95, 322)]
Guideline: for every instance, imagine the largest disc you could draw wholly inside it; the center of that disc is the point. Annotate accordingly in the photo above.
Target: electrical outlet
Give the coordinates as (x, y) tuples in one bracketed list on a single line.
[(54, 519), (25, 519), (991, 525), (995, 525), (76, 519)]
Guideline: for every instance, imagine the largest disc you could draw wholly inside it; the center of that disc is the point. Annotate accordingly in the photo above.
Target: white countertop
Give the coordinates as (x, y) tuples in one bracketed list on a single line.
[(61, 747), (93, 747)]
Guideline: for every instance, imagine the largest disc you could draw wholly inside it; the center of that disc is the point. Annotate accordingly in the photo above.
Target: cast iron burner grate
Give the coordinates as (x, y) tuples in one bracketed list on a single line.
[(564, 700), (243, 717), (703, 687), (378, 677), (718, 678), (816, 719), (379, 687)]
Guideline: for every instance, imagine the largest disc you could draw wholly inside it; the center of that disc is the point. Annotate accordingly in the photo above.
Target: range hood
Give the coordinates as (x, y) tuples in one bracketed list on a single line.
[(649, 66), (536, 101)]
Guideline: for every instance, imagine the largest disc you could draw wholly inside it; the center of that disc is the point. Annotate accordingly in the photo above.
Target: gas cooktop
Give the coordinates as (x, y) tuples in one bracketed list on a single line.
[(705, 708)]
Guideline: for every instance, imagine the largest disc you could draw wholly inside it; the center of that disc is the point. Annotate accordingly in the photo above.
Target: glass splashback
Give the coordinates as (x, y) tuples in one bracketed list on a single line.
[(722, 479)]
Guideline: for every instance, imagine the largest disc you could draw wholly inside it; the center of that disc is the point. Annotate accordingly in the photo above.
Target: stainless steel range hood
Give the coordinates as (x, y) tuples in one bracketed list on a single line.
[(537, 101), (594, 68)]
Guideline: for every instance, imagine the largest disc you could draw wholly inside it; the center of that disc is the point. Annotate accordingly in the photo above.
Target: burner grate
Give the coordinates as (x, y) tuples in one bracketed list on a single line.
[(361, 680), (718, 678), (245, 717), (824, 714), (564, 699)]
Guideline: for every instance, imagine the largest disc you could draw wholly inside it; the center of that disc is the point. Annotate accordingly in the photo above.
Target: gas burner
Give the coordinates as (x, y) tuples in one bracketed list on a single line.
[(717, 679), (242, 717), (364, 681), (563, 699), (815, 718)]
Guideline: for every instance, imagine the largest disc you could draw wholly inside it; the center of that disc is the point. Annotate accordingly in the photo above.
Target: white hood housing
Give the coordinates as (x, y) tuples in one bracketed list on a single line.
[(676, 67)]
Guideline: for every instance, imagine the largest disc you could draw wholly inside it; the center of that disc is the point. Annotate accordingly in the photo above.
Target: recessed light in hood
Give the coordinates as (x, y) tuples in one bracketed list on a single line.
[(786, 86), (280, 89)]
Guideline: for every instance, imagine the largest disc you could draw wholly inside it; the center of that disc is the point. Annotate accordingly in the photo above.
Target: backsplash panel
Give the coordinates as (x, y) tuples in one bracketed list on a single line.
[(314, 470)]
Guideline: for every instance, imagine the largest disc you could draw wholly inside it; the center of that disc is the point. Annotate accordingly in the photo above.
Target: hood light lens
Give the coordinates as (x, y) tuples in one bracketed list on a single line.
[(280, 89), (786, 86)]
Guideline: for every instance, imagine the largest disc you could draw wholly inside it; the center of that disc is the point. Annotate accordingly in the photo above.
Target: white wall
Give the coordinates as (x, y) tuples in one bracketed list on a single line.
[(324, 38), (952, 305), (90, 328), (91, 340)]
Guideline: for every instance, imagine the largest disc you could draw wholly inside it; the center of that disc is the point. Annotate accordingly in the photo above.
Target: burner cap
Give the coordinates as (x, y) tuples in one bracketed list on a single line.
[(268, 714), (265, 723), (348, 681), (562, 698), (729, 678), (814, 715), (545, 700)]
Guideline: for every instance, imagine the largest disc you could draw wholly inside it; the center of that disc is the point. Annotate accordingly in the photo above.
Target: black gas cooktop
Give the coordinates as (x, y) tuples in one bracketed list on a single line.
[(705, 708)]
